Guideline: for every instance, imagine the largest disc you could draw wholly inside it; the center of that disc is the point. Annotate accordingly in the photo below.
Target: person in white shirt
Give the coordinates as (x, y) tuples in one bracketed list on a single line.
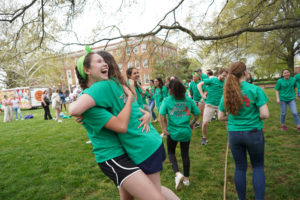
[(16, 108)]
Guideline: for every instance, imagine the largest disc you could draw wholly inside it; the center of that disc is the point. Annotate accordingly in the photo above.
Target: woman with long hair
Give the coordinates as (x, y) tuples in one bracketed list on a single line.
[(133, 77), (99, 74), (179, 109), (286, 96), (246, 106)]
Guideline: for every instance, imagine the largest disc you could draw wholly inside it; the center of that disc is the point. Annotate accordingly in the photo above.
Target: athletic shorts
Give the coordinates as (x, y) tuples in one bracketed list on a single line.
[(209, 112), (118, 169), (154, 163)]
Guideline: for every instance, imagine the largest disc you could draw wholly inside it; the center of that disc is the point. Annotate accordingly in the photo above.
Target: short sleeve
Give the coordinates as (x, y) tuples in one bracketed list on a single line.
[(207, 81), (97, 90), (190, 86), (96, 118), (261, 98), (194, 109), (163, 110), (221, 105), (277, 86)]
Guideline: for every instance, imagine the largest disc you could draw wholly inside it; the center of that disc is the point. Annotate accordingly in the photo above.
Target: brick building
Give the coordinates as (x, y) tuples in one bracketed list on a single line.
[(139, 53)]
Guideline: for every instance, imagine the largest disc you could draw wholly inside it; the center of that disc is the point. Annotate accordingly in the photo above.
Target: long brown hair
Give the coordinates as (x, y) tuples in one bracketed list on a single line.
[(129, 73), (87, 64), (232, 90)]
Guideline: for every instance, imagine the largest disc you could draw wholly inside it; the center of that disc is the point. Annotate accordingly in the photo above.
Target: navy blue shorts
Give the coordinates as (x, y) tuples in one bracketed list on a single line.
[(153, 164)]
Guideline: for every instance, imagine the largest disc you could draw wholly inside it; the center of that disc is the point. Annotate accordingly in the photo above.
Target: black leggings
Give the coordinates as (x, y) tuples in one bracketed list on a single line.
[(184, 147), (47, 113)]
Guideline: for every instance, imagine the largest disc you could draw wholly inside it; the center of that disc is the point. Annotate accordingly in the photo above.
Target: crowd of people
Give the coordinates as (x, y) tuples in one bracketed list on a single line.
[(116, 114), (129, 150)]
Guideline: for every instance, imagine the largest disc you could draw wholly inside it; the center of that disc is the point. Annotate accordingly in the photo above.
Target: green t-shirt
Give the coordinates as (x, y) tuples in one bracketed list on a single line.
[(137, 144), (138, 92), (286, 89), (214, 91), (106, 144), (159, 95), (248, 116), (195, 92), (297, 77), (179, 114), (144, 97), (204, 76), (151, 89)]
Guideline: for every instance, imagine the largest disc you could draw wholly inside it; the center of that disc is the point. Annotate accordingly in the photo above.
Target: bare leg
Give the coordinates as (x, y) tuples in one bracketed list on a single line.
[(201, 108), (124, 195), (141, 187), (204, 129), (166, 192)]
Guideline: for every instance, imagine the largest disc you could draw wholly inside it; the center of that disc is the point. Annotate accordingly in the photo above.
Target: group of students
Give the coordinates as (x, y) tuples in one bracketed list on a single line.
[(9, 106), (130, 151)]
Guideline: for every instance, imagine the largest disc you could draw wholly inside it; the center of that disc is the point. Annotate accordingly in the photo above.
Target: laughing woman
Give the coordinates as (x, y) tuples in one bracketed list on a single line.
[(99, 74)]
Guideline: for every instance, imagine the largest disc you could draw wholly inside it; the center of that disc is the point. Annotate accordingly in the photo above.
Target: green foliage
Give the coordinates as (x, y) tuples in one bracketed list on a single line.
[(49, 160), (179, 65)]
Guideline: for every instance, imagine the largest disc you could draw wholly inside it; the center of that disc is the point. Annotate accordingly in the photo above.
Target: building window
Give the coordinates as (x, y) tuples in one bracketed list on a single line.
[(120, 67), (144, 48), (137, 64), (127, 50), (129, 64), (145, 63), (146, 78), (136, 50)]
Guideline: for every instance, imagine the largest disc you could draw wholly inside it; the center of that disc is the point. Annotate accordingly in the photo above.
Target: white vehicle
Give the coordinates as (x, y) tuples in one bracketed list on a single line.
[(30, 97)]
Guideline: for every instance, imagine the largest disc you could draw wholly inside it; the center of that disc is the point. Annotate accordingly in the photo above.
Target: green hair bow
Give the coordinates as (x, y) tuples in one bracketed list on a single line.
[(80, 62), (196, 74)]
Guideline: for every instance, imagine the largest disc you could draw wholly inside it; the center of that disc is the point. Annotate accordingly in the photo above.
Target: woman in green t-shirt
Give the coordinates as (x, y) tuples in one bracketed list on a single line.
[(246, 106), (160, 93), (133, 77), (286, 96), (144, 149), (179, 108)]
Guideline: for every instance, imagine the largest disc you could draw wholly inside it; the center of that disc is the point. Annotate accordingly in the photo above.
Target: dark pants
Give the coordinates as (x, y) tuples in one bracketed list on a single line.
[(252, 141), (47, 114), (184, 147)]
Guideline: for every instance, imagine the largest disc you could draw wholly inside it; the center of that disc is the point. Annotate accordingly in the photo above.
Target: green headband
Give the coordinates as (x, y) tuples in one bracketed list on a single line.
[(196, 74), (80, 62)]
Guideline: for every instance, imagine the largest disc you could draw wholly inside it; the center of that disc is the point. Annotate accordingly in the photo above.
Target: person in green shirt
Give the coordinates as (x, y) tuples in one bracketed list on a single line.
[(195, 94), (202, 75), (212, 99), (245, 105), (133, 77), (145, 150), (151, 101), (160, 92), (179, 109), (286, 96)]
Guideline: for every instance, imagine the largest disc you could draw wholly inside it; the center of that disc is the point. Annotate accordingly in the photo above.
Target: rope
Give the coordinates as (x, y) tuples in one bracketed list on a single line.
[(225, 173)]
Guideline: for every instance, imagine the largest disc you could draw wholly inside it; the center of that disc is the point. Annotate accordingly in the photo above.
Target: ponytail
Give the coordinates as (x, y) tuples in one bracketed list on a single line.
[(232, 90)]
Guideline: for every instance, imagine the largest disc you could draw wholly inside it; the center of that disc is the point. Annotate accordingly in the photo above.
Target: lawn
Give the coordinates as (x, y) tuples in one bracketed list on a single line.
[(48, 160)]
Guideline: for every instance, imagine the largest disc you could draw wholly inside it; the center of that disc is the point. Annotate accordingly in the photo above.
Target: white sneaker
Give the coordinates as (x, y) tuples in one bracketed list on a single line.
[(178, 181), (163, 135), (186, 183), (59, 121), (88, 142)]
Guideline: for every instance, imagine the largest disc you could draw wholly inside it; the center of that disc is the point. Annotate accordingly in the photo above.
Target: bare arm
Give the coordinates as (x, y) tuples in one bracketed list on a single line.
[(222, 116), (132, 88), (119, 123), (82, 104), (199, 86), (277, 96), (163, 122), (264, 112)]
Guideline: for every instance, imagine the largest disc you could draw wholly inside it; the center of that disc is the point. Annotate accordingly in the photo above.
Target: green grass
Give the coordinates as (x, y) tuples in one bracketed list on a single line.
[(49, 160)]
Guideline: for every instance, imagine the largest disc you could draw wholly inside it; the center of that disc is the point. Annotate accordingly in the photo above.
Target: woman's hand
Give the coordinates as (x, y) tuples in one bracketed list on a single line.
[(79, 119), (145, 121), (165, 131), (278, 101), (128, 93)]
